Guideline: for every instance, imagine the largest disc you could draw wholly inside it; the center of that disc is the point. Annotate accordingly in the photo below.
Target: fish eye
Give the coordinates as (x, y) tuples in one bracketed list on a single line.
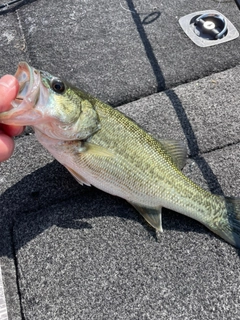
[(57, 85)]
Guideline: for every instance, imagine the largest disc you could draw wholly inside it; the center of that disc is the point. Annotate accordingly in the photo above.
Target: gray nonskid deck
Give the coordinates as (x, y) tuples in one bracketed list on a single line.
[(3, 306), (73, 252), (77, 247)]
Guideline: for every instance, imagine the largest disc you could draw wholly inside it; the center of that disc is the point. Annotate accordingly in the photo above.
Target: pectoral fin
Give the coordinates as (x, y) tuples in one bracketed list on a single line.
[(96, 150), (152, 215)]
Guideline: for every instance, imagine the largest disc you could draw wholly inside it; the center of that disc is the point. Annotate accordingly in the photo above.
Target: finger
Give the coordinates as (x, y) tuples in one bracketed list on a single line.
[(9, 87), (12, 131), (6, 147)]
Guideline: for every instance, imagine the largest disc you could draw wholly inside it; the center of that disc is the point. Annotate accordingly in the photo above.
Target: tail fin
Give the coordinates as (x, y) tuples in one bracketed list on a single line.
[(228, 226)]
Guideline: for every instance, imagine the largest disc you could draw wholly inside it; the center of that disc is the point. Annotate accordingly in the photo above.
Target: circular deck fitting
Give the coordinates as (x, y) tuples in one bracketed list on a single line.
[(208, 28), (211, 25)]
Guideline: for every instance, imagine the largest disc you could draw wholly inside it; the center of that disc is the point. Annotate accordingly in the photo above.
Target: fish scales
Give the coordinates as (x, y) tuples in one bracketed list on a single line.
[(140, 168)]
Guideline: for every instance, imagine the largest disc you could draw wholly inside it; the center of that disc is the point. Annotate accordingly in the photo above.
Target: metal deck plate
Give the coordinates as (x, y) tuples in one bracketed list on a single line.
[(187, 24)]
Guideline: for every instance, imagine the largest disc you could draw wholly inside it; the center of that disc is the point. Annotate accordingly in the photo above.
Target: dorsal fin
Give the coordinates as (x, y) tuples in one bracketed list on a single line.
[(176, 150)]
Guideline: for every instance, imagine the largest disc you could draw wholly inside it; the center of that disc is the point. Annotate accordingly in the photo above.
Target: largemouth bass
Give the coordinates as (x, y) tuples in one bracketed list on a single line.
[(102, 147)]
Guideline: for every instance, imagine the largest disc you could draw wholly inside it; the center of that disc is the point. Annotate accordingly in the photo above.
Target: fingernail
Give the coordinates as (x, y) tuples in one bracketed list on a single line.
[(8, 81)]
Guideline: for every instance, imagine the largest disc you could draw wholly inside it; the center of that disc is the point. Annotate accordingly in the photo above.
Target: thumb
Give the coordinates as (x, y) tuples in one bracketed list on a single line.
[(9, 87)]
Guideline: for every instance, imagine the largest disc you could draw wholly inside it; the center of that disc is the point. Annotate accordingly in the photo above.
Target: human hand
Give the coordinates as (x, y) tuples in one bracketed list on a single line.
[(8, 91)]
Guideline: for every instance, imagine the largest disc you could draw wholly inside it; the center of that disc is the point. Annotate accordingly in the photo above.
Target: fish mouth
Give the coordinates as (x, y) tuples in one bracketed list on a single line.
[(31, 90), (26, 77)]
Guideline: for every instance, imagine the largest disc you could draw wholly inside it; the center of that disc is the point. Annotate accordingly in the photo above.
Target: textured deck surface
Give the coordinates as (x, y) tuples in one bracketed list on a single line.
[(73, 252), (3, 306)]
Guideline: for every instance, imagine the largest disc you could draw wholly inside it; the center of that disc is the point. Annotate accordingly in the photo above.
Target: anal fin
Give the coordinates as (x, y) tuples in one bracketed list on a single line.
[(152, 215)]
